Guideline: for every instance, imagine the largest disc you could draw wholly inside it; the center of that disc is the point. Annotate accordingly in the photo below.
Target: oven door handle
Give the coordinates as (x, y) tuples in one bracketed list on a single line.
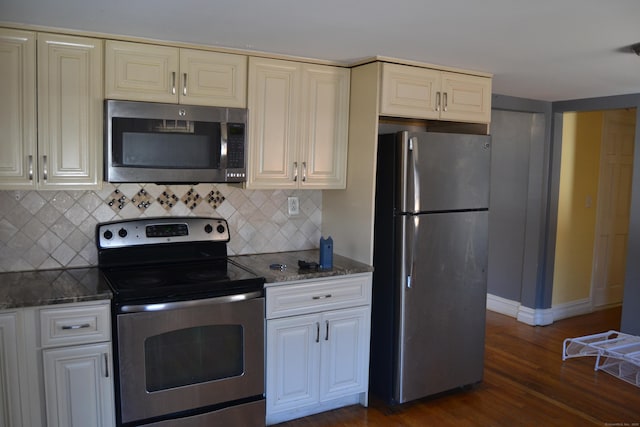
[(175, 305)]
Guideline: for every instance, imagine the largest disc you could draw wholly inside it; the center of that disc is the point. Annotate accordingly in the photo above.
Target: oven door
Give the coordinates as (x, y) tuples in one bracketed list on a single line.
[(183, 356)]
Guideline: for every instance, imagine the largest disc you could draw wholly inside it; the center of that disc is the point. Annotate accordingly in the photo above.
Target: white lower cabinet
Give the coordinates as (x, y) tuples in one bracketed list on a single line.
[(79, 386), (77, 365), (56, 366), (320, 360), (10, 408)]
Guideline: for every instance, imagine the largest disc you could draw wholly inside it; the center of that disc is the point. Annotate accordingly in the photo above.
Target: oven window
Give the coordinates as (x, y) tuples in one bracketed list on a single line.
[(193, 355)]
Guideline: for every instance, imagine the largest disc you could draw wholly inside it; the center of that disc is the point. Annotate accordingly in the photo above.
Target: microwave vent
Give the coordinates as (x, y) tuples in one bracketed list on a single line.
[(184, 126)]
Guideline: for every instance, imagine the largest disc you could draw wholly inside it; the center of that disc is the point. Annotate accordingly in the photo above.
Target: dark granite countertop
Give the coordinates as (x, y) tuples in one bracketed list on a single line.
[(46, 287), (259, 264)]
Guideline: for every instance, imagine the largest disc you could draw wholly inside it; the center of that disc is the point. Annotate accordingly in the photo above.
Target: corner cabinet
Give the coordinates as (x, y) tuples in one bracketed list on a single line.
[(68, 150), (317, 345), (298, 125), (144, 72), (423, 93)]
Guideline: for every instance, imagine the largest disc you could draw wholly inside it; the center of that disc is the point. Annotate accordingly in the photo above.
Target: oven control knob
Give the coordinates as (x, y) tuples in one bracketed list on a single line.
[(220, 228), (208, 228), (122, 233), (107, 234)]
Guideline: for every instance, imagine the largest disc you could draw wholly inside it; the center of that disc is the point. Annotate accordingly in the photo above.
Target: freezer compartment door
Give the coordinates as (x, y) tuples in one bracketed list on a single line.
[(442, 171), (442, 303)]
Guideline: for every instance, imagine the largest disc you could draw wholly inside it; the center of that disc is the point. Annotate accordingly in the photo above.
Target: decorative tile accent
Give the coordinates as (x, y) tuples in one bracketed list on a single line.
[(168, 199), (117, 200), (215, 198), (191, 199), (142, 200)]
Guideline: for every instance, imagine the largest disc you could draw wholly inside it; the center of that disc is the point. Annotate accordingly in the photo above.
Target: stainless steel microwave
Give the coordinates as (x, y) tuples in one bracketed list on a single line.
[(172, 143)]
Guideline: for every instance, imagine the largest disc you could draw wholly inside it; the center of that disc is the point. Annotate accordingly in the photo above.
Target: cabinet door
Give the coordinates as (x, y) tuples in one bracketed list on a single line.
[(324, 127), (10, 414), (409, 91), (17, 109), (141, 72), (466, 98), (273, 101), (69, 111), (79, 386), (293, 362), (345, 353), (210, 78)]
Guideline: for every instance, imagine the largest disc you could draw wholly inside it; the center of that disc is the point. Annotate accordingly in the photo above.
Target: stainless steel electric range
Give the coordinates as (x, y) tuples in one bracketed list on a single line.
[(188, 324)]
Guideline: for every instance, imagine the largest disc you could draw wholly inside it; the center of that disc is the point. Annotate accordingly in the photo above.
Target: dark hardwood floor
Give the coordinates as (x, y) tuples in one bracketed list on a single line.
[(526, 383)]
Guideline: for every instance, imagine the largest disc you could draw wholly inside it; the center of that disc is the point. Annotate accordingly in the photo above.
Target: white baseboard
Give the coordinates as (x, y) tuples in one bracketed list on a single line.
[(530, 316), (572, 308), (502, 305), (539, 316)]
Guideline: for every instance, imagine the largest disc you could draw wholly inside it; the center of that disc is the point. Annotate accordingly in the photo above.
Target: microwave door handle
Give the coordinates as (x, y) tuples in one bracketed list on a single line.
[(223, 145)]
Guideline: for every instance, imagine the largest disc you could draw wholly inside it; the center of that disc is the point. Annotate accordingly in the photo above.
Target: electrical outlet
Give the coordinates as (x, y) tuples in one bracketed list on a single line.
[(294, 206)]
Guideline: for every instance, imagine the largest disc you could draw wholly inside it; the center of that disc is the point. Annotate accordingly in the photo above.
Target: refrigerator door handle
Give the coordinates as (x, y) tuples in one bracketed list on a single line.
[(412, 239), (415, 174)]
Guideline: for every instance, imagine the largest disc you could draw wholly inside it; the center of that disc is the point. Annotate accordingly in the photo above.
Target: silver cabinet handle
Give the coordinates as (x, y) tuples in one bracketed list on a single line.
[(317, 331), (295, 171), (73, 327), (304, 171), (326, 335), (437, 101), (444, 107), (184, 84), (45, 171), (321, 296), (30, 167), (106, 365), (173, 83)]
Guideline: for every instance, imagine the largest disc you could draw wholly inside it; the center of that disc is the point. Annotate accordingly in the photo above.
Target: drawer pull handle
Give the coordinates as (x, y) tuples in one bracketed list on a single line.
[(72, 327), (322, 296)]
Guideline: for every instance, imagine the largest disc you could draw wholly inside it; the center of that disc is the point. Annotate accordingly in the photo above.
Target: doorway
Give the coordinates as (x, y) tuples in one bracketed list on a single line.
[(593, 208)]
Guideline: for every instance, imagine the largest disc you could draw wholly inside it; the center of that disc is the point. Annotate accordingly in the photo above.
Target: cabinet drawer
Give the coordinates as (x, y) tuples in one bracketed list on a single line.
[(318, 295), (75, 325)]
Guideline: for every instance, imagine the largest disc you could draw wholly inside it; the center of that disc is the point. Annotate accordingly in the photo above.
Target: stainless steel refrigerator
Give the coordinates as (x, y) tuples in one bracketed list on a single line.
[(430, 263)]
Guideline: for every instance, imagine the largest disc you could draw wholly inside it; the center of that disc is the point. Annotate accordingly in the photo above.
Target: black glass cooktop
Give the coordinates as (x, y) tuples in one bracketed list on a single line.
[(180, 281)]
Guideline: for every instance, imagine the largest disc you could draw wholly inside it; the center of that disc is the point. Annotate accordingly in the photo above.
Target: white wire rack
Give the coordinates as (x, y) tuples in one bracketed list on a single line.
[(616, 353)]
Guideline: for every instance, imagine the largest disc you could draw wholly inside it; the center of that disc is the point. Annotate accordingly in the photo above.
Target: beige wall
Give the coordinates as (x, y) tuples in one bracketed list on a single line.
[(580, 163)]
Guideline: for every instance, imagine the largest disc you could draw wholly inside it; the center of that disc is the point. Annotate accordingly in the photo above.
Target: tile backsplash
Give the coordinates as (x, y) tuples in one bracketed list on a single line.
[(53, 229)]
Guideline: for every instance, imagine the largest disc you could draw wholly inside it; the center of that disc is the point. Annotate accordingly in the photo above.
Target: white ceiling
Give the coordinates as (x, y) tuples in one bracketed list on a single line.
[(545, 50)]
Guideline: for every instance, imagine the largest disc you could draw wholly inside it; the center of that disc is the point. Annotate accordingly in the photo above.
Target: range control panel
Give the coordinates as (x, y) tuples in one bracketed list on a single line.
[(150, 231)]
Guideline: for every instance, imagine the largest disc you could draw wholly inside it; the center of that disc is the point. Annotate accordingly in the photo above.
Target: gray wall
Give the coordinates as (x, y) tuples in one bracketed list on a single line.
[(520, 130), (631, 302)]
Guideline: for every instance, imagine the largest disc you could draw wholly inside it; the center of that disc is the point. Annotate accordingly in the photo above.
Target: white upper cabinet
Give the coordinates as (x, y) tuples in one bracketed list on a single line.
[(17, 109), (298, 125), (70, 106), (143, 72), (424, 93), (67, 152)]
